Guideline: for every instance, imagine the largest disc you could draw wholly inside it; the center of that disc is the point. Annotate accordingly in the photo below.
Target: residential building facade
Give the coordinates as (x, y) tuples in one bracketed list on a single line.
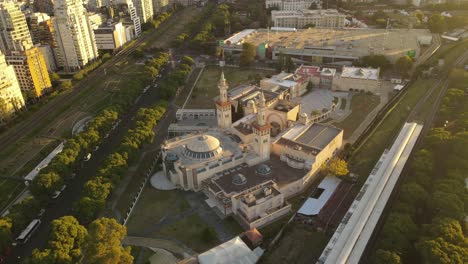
[(76, 46), (144, 9), (292, 5), (11, 99), (13, 27), (110, 36), (31, 71), (328, 18)]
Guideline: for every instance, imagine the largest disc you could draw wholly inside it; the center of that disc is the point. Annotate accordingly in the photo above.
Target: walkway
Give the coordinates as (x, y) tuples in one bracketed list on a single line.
[(173, 246)]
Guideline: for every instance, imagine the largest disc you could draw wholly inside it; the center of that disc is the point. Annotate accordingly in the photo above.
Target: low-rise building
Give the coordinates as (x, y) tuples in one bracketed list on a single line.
[(110, 36), (31, 71), (357, 79), (325, 18), (292, 5)]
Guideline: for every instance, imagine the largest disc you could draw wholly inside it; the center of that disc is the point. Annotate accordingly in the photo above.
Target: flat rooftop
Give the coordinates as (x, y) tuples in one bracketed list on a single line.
[(360, 73), (281, 173), (318, 136), (351, 42)]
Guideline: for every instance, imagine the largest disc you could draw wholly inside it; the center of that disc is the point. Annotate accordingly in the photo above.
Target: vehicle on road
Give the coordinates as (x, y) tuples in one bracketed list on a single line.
[(27, 232), (41, 213), (106, 136), (57, 193), (87, 157), (95, 148)]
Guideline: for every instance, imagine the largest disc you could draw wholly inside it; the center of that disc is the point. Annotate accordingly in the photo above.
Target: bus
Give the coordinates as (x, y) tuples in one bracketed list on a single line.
[(27, 232)]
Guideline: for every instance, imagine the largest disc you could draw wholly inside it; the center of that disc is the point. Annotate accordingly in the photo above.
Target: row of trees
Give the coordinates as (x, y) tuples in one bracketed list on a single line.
[(157, 20), (217, 23), (402, 65), (91, 67), (97, 190), (52, 177), (155, 65), (69, 242), (426, 223), (169, 85)]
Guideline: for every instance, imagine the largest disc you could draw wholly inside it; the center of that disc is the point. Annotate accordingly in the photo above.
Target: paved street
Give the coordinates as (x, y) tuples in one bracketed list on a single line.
[(63, 205)]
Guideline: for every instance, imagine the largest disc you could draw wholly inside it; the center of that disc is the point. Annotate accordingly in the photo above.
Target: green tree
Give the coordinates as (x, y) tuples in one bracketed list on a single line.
[(414, 195), (437, 23), (66, 85), (104, 243), (87, 208), (151, 72), (375, 61), (447, 205), (5, 234), (289, 64), (187, 60), (398, 232), (386, 257), (247, 56), (404, 64), (335, 166), (439, 251), (46, 184)]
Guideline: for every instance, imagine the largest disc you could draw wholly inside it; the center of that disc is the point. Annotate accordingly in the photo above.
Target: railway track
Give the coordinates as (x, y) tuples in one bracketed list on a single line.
[(16, 133)]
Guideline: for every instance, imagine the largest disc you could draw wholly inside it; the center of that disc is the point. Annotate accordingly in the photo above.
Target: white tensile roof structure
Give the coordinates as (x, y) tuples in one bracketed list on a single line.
[(234, 251)]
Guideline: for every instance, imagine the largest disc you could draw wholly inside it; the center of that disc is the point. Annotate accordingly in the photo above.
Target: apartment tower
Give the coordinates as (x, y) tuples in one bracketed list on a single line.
[(11, 99)]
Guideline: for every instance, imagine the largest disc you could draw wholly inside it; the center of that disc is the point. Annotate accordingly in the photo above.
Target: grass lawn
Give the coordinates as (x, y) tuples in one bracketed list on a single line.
[(364, 159), (190, 231), (206, 88), (361, 106), (299, 244), (152, 207)]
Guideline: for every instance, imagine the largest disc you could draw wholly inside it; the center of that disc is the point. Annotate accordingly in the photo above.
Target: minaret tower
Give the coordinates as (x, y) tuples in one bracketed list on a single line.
[(262, 131), (223, 106)]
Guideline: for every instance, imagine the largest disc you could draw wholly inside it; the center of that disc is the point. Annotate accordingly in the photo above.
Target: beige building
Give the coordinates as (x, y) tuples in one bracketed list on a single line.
[(42, 30), (74, 36), (13, 27), (292, 5), (357, 79), (325, 18), (11, 99), (31, 71), (110, 36), (144, 9), (250, 167), (327, 45)]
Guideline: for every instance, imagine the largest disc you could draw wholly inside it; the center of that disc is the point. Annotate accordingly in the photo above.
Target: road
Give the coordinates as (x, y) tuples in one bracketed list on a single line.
[(64, 203), (38, 118)]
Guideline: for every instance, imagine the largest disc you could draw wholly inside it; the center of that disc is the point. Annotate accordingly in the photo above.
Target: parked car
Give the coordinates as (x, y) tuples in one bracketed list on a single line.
[(57, 193), (87, 157), (41, 213)]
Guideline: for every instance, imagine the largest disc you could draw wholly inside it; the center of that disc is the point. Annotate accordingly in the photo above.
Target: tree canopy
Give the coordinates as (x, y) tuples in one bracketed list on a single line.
[(335, 166), (104, 243), (248, 54)]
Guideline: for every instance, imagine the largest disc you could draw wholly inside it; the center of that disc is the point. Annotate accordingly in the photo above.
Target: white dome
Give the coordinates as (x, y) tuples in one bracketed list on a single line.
[(203, 147), (203, 143)]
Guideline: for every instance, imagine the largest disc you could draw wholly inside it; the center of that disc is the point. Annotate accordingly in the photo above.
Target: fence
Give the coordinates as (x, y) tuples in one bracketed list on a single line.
[(142, 186)]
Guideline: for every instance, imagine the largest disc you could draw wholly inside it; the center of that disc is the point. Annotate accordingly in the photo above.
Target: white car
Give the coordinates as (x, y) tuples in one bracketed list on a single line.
[(87, 157), (41, 213), (95, 148)]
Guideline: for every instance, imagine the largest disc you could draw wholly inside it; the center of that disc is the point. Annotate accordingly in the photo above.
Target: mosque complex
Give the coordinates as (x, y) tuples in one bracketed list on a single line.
[(250, 167)]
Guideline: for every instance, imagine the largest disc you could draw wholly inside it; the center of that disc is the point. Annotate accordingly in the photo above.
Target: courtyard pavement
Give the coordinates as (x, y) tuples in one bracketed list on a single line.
[(159, 181)]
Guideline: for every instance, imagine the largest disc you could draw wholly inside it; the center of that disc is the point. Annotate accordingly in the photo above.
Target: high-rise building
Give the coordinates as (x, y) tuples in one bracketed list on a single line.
[(31, 71), (292, 5), (11, 99), (74, 35), (110, 36), (144, 9), (13, 27)]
